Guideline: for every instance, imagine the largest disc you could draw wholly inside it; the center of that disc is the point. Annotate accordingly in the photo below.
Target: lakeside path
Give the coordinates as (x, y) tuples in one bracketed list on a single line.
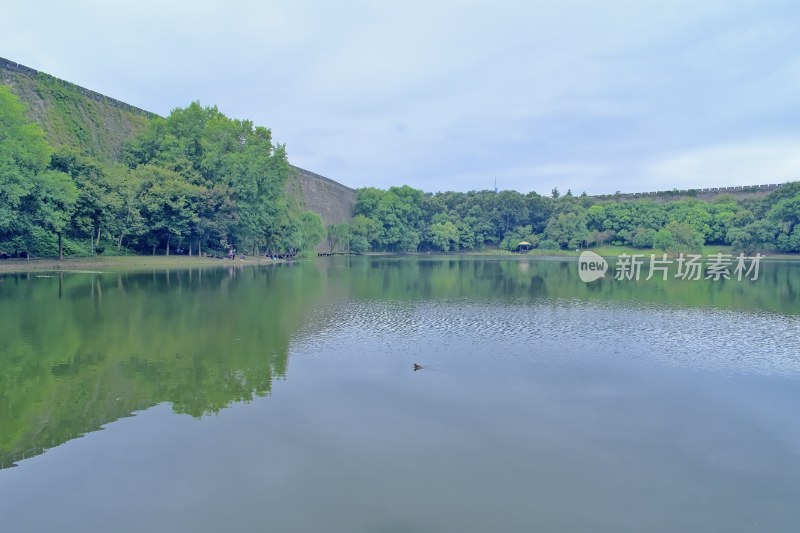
[(137, 262)]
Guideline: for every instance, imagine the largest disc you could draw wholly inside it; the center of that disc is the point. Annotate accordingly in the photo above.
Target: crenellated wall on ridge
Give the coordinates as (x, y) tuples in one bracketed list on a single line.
[(738, 192)]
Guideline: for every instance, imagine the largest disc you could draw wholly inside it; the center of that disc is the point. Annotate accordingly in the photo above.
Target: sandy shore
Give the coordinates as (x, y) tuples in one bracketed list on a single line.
[(137, 262)]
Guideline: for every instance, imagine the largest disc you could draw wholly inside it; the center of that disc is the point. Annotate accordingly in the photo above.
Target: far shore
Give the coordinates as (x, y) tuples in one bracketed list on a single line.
[(161, 262), (131, 262)]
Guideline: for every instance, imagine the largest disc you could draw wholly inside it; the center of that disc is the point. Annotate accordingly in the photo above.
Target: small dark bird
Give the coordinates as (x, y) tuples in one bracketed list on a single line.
[(417, 366)]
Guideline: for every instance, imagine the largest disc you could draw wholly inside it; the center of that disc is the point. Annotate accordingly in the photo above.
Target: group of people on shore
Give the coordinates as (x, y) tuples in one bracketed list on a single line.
[(232, 255)]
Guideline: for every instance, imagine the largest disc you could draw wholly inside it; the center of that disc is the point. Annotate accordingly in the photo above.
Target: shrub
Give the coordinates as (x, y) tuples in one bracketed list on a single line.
[(549, 244)]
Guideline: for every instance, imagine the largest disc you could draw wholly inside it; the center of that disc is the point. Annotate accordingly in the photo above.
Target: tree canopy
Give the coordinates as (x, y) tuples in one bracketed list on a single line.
[(402, 219), (194, 182)]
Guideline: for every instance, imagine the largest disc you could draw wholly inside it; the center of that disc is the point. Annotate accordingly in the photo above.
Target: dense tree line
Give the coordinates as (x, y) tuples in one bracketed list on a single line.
[(195, 182), (402, 219), (200, 182)]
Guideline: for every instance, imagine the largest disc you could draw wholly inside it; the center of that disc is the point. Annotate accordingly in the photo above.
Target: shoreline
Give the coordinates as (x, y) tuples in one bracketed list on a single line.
[(131, 262), (160, 262)]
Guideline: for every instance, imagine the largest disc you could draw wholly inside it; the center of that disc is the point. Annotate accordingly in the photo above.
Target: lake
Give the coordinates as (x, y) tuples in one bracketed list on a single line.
[(284, 398)]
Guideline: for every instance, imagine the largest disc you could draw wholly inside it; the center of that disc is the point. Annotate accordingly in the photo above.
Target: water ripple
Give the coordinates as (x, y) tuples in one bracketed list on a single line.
[(708, 338)]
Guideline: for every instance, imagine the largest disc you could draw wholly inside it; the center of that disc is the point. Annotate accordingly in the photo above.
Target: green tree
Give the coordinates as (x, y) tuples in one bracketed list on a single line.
[(664, 240), (166, 200), (596, 217), (568, 230), (55, 194), (678, 237), (236, 173), (312, 229), (337, 237), (789, 242), (99, 197), (32, 196), (444, 235), (399, 211), (24, 154), (643, 238), (785, 214), (539, 210), (364, 233), (511, 209), (518, 235), (752, 237)]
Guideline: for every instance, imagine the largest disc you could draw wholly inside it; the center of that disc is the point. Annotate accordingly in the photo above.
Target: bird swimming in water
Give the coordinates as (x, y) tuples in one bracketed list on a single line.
[(418, 366)]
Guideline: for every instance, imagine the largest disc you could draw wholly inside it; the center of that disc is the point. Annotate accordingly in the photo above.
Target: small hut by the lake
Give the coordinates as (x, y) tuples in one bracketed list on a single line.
[(523, 247)]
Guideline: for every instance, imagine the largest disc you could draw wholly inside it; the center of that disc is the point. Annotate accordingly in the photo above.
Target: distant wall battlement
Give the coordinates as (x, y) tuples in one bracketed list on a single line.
[(703, 194), (18, 67)]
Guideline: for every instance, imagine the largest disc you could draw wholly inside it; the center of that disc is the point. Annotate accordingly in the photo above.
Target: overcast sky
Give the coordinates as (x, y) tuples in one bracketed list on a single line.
[(445, 95)]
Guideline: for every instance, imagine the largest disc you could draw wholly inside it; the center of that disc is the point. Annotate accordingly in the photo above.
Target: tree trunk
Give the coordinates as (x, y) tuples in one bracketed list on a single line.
[(168, 236), (97, 242), (60, 248)]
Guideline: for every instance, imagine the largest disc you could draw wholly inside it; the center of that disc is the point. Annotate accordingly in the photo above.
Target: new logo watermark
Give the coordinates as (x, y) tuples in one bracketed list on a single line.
[(691, 267), (591, 267)]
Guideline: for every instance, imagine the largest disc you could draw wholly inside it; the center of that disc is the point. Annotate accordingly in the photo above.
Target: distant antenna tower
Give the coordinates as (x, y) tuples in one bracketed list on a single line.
[(495, 185)]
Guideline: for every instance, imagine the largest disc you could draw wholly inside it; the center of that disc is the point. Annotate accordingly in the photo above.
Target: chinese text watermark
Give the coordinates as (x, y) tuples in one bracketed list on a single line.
[(691, 267)]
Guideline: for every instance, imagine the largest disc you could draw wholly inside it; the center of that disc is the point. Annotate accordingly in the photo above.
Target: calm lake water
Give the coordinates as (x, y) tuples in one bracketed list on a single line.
[(284, 399)]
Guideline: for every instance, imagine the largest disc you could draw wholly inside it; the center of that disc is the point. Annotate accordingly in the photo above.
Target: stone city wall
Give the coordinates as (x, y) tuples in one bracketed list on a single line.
[(22, 69), (333, 201), (743, 191)]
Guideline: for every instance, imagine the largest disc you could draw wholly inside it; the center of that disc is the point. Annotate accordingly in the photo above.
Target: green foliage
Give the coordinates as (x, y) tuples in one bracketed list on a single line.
[(644, 238), (363, 232), (678, 237), (444, 235), (34, 199), (70, 119), (224, 183), (312, 229), (337, 237), (510, 209), (397, 216), (468, 221), (195, 180), (789, 242), (567, 229), (664, 240), (753, 236), (520, 234), (23, 154)]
